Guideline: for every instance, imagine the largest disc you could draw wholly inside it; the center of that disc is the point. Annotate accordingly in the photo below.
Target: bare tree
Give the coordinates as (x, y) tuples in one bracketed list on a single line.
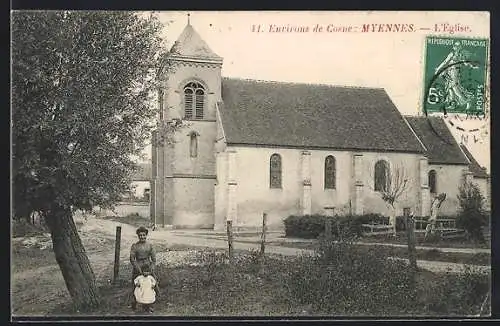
[(395, 183)]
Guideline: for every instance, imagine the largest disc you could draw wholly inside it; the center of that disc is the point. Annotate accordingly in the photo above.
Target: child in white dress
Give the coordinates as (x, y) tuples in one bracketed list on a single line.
[(145, 286)]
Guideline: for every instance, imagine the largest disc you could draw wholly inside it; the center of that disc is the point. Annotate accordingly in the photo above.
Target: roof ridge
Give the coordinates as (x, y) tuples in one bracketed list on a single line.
[(302, 83), (442, 147), (469, 155)]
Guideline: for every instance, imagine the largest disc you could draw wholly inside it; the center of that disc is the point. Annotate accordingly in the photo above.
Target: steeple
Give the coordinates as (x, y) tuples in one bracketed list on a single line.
[(191, 47)]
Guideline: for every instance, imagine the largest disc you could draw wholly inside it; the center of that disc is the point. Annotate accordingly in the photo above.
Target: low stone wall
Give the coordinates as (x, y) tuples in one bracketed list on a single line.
[(121, 209)]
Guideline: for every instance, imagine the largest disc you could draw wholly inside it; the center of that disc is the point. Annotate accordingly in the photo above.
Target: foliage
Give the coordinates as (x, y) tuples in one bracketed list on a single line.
[(307, 226), (222, 284), (471, 216), (461, 293), (312, 226), (337, 280), (83, 84), (82, 90), (373, 218), (344, 279)]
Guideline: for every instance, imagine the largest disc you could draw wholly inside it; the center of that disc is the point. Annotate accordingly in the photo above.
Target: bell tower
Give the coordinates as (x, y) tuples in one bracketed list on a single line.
[(184, 172)]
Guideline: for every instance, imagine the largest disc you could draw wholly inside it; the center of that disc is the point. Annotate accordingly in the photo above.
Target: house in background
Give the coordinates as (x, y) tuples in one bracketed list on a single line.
[(141, 181), (288, 148)]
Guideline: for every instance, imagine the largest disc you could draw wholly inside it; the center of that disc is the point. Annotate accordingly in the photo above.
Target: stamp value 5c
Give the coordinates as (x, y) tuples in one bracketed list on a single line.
[(455, 75)]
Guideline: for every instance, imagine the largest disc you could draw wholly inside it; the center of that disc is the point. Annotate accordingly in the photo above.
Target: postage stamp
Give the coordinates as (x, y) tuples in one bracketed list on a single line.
[(455, 75)]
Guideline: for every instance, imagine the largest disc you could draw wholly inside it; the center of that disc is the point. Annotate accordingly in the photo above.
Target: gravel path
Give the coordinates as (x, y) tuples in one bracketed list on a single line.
[(279, 237)]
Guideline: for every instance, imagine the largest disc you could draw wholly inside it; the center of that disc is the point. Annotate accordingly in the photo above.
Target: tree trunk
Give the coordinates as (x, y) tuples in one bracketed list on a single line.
[(392, 219), (72, 259), (410, 232)]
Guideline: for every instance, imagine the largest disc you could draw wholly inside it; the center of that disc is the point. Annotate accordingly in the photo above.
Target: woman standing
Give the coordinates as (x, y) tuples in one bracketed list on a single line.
[(142, 253)]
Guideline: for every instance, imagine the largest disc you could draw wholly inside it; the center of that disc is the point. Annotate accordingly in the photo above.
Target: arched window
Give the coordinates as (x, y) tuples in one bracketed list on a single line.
[(381, 176), (432, 181), (330, 172), (194, 101), (275, 171), (193, 144)]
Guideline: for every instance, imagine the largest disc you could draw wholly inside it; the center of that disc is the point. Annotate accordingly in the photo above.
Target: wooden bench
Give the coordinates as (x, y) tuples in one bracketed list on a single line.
[(446, 223), (377, 228), (443, 223)]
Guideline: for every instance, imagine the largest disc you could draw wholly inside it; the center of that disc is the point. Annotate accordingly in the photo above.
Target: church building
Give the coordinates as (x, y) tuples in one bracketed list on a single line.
[(254, 146)]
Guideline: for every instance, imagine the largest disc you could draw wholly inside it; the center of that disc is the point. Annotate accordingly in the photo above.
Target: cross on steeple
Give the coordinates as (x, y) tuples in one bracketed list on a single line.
[(188, 18)]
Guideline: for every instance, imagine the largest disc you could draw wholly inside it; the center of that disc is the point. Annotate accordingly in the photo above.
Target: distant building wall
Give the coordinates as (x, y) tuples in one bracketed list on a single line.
[(448, 180)]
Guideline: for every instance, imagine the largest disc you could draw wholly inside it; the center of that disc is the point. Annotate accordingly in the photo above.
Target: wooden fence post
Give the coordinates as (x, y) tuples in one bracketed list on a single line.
[(230, 237), (410, 232), (263, 235), (328, 229), (116, 270)]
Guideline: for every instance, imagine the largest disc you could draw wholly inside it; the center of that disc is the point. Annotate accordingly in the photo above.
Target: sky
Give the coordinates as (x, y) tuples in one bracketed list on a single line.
[(288, 48)]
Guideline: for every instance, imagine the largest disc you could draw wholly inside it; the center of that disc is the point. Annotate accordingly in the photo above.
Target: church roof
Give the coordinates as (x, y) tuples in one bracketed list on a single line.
[(441, 146), (313, 116), (477, 170), (190, 45)]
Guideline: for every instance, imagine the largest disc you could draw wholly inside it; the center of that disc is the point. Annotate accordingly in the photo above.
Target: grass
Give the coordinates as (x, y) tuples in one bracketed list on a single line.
[(24, 229), (422, 254), (402, 239), (250, 287), (23, 258), (253, 287), (200, 291)]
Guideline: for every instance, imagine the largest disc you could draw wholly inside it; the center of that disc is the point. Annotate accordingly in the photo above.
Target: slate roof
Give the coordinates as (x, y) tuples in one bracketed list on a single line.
[(442, 148), (477, 170), (313, 116), (191, 45), (143, 172)]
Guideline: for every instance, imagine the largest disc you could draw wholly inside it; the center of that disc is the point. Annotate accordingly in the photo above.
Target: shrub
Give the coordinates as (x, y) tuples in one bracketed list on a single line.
[(306, 226), (347, 227), (461, 293), (472, 216), (341, 279), (373, 218), (313, 226), (221, 284), (344, 227), (337, 279)]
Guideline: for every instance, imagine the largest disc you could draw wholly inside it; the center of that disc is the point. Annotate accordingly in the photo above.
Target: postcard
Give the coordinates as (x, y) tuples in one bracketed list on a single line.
[(266, 164)]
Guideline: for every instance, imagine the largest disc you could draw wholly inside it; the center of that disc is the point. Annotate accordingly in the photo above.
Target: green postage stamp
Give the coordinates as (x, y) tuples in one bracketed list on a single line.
[(455, 75)]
